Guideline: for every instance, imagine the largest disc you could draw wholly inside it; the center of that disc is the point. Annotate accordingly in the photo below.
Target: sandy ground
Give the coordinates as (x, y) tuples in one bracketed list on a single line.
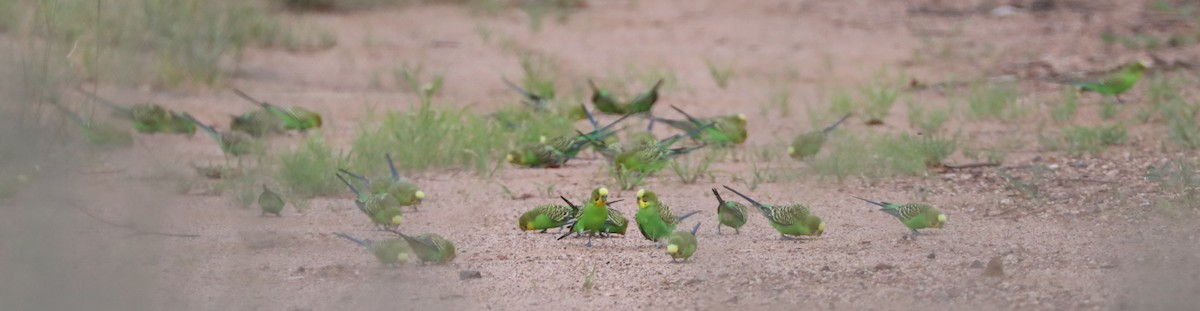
[(1080, 248)]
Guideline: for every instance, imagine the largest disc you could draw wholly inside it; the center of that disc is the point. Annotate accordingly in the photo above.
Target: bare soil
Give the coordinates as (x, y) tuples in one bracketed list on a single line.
[(1079, 245)]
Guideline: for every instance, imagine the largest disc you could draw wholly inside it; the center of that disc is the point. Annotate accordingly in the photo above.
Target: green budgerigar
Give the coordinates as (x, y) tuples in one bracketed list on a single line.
[(232, 143), (547, 216), (406, 192), (257, 123), (726, 131), (293, 118), (808, 144), (99, 134), (651, 159), (146, 117), (594, 218), (430, 247), (792, 219), (729, 213), (1116, 82), (616, 223), (913, 215), (682, 244), (270, 202), (538, 102), (181, 125), (389, 252), (644, 102), (555, 152), (604, 101), (383, 209), (654, 218)]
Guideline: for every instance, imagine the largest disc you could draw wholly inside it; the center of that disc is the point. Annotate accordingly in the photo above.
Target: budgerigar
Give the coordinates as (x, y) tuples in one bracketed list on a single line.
[(270, 202), (430, 247), (554, 152), (98, 134), (654, 218), (594, 218), (232, 143), (616, 223), (808, 144), (389, 252), (181, 125), (294, 118), (146, 117), (793, 219), (651, 159), (1116, 82), (402, 189), (547, 216), (257, 123), (729, 213), (644, 102), (727, 130), (913, 215), (604, 101), (538, 102), (383, 209), (682, 244)]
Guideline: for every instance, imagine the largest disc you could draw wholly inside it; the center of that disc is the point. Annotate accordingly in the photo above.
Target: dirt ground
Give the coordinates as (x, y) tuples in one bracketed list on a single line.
[(1081, 247)]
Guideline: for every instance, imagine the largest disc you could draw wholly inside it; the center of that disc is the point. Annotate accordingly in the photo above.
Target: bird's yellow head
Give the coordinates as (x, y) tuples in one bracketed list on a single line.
[(941, 221), (317, 120), (420, 195), (397, 219), (672, 249), (511, 157), (542, 139), (600, 196), (791, 150), (820, 229), (402, 257), (646, 197)]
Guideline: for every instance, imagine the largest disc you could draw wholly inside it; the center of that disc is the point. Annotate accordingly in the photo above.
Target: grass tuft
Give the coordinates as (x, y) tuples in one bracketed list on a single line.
[(719, 73), (307, 171), (994, 101)]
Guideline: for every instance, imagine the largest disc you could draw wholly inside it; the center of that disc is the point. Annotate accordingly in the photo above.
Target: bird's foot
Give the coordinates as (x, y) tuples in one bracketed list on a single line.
[(718, 229), (543, 231)]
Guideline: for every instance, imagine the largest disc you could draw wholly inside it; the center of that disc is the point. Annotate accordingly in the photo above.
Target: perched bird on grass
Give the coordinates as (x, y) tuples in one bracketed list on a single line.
[(430, 247), (98, 134), (547, 216), (1116, 82), (654, 218), (293, 118), (808, 144), (682, 244), (389, 252), (594, 218), (383, 209), (793, 219), (232, 143), (406, 192), (604, 101), (729, 213), (913, 215), (270, 202), (726, 131), (146, 117)]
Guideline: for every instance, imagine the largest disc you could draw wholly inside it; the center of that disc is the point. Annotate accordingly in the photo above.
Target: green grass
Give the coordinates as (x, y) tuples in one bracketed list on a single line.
[(1109, 110), (882, 155), (165, 43), (878, 100), (927, 120), (540, 74), (1077, 140), (781, 99), (626, 179), (690, 173), (413, 76), (307, 170), (431, 138), (1067, 106), (840, 104), (719, 73), (334, 5), (994, 101), (1180, 182)]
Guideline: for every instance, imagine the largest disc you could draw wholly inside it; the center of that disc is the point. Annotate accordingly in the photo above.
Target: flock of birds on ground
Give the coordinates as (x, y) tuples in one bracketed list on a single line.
[(642, 154)]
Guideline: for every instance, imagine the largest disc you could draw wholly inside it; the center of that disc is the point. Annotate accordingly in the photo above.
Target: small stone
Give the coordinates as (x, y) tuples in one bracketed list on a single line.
[(995, 267), (883, 266), (469, 274), (931, 255), (826, 269), (976, 264)]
